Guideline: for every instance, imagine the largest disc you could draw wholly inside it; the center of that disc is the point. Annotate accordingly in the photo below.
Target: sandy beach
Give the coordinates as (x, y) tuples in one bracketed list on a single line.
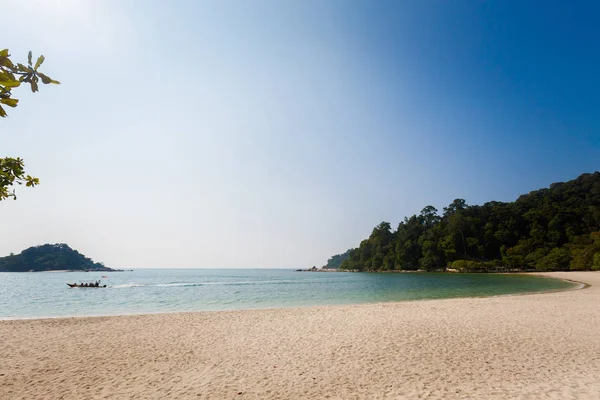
[(540, 346)]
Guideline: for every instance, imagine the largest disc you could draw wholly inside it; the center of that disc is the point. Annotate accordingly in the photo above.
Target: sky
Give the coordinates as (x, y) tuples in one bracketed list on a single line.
[(275, 134)]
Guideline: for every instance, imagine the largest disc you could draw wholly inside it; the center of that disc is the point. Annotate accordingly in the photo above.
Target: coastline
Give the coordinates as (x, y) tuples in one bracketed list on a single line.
[(579, 285), (534, 345)]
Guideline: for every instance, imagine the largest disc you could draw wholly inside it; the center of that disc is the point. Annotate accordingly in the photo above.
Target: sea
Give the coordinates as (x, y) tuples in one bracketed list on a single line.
[(146, 291)]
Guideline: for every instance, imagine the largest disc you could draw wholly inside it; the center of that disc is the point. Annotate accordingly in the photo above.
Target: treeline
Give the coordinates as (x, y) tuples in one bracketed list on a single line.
[(49, 257), (551, 229), (336, 261)]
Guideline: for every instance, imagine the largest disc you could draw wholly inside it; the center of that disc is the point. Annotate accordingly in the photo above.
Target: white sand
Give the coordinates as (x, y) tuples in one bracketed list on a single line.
[(542, 346)]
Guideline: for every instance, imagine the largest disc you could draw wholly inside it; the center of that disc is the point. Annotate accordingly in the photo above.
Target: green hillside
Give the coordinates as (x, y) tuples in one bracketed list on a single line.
[(49, 257), (548, 229)]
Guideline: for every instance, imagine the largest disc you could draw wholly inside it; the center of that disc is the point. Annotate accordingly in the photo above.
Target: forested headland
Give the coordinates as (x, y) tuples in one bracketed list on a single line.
[(49, 257), (554, 229), (336, 261)]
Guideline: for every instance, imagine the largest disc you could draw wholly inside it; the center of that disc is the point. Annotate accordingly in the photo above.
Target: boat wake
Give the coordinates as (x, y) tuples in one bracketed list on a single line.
[(238, 283), (126, 285)]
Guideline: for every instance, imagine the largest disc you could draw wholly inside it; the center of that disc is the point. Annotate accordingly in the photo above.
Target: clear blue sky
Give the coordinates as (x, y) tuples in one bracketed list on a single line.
[(274, 134)]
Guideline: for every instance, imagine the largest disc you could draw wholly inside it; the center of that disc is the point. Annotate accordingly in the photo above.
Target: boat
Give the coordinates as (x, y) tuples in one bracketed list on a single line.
[(72, 285)]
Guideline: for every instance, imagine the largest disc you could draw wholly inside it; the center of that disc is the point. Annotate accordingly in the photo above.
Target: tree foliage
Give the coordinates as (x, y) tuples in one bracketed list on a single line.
[(49, 257), (334, 262), (12, 75), (12, 172), (549, 229)]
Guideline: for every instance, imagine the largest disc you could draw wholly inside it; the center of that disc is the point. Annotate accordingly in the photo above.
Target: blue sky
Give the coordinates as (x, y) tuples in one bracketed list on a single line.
[(274, 134)]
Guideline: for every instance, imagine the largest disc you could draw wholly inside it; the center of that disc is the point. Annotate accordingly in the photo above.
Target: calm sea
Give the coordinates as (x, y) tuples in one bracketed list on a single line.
[(31, 295)]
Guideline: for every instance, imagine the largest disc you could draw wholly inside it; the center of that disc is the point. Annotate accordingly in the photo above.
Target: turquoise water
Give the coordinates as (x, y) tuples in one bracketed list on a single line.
[(30, 295)]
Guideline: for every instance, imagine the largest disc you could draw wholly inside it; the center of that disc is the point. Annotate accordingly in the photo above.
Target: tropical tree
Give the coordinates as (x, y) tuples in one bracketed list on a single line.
[(548, 229), (12, 75)]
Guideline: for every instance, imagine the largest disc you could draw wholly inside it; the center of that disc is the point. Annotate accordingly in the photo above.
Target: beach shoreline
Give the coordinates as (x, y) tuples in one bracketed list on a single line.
[(579, 285), (534, 345)]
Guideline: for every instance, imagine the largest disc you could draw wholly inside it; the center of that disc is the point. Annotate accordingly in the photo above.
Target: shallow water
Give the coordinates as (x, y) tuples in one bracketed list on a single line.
[(32, 295)]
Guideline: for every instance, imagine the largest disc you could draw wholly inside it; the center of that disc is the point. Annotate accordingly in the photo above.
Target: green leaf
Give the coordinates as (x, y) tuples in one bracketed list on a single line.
[(5, 62), (2, 112), (29, 58), (45, 78), (39, 62), (10, 75), (23, 68), (31, 181), (4, 53), (34, 86), (11, 83), (9, 102)]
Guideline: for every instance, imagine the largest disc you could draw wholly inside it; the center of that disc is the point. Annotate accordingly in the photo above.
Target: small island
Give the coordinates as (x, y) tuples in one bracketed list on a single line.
[(50, 257)]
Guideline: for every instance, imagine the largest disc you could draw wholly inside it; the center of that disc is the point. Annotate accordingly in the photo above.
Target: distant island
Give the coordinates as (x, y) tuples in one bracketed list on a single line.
[(554, 229), (50, 257)]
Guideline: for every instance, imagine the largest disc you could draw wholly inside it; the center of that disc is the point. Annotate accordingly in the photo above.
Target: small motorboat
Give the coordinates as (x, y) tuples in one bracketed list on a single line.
[(72, 285)]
